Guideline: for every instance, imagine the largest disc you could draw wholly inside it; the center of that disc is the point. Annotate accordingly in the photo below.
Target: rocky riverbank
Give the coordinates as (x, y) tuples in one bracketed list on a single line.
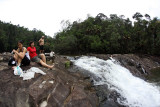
[(143, 66), (57, 88), (66, 86)]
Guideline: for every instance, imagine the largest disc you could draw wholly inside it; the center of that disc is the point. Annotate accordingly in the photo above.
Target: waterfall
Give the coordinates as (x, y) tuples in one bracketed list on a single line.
[(134, 91)]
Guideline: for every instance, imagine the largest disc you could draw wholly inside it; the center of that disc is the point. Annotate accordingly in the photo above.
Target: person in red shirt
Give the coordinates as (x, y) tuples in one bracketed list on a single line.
[(35, 58)]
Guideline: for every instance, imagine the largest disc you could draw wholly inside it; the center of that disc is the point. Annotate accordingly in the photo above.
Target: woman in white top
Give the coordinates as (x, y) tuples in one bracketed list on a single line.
[(21, 55)]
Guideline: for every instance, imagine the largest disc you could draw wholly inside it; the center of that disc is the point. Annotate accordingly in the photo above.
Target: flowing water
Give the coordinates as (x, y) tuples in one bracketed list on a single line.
[(134, 91)]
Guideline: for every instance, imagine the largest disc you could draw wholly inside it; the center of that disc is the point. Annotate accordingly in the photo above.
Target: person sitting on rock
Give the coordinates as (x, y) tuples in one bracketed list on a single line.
[(36, 58), (20, 55)]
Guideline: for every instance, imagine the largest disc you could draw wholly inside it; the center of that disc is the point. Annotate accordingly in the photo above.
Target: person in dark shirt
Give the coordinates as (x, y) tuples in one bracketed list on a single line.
[(20, 55)]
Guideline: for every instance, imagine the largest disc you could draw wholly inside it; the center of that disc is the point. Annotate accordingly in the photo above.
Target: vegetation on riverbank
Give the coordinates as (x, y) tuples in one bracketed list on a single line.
[(10, 34), (114, 34), (100, 34)]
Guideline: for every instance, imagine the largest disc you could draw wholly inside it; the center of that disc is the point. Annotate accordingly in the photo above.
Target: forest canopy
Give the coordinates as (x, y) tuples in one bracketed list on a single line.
[(113, 34), (100, 34), (10, 34)]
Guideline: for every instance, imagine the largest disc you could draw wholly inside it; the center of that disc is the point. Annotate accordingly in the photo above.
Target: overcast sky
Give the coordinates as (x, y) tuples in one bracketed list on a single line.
[(46, 15)]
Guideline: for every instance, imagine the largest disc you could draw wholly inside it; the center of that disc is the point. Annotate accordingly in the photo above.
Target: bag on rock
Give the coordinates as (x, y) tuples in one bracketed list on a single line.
[(18, 70), (12, 62)]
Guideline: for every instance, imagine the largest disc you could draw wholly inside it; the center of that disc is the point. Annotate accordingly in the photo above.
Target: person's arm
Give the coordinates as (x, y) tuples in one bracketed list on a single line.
[(21, 55), (27, 54), (39, 41), (28, 49)]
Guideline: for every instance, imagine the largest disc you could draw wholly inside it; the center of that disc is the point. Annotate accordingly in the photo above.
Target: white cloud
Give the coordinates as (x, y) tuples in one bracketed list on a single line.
[(46, 15)]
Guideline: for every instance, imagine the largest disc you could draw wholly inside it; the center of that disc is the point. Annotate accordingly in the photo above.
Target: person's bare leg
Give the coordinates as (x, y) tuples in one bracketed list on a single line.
[(15, 57), (45, 65), (19, 59), (43, 57)]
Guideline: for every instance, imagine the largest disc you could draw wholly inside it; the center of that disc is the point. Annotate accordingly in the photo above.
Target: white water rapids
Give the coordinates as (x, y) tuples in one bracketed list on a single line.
[(137, 92)]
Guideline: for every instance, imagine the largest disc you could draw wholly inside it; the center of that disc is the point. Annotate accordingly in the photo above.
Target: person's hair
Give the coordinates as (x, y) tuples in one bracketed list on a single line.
[(30, 43), (20, 42)]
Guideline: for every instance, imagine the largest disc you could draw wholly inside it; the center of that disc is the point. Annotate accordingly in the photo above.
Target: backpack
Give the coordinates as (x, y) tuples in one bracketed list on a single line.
[(12, 62)]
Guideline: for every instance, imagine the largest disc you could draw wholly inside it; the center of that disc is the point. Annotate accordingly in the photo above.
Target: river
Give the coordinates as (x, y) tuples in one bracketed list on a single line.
[(134, 92)]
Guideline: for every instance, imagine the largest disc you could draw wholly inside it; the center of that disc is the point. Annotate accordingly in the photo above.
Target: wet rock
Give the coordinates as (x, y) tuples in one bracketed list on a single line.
[(107, 98), (139, 65)]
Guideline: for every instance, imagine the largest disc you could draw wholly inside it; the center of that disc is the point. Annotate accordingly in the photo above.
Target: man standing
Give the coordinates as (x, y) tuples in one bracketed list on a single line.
[(41, 44)]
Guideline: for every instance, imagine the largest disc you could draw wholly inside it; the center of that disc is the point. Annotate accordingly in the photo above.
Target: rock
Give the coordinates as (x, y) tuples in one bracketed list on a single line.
[(139, 65), (1, 58), (5, 56), (66, 87), (55, 89), (3, 66), (79, 98)]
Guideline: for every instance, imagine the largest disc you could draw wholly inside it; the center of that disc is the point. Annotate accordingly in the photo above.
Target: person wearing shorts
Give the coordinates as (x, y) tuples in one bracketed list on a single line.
[(35, 58)]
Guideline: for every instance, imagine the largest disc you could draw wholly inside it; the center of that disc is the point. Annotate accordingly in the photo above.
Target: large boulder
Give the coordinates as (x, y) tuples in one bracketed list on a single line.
[(58, 88)]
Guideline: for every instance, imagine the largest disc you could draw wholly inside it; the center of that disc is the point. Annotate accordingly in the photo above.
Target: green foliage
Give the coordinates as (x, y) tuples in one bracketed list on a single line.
[(66, 44), (110, 35), (67, 64), (101, 34), (10, 34)]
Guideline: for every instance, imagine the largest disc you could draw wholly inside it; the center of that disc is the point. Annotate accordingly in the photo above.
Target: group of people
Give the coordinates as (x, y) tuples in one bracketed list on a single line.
[(23, 55)]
